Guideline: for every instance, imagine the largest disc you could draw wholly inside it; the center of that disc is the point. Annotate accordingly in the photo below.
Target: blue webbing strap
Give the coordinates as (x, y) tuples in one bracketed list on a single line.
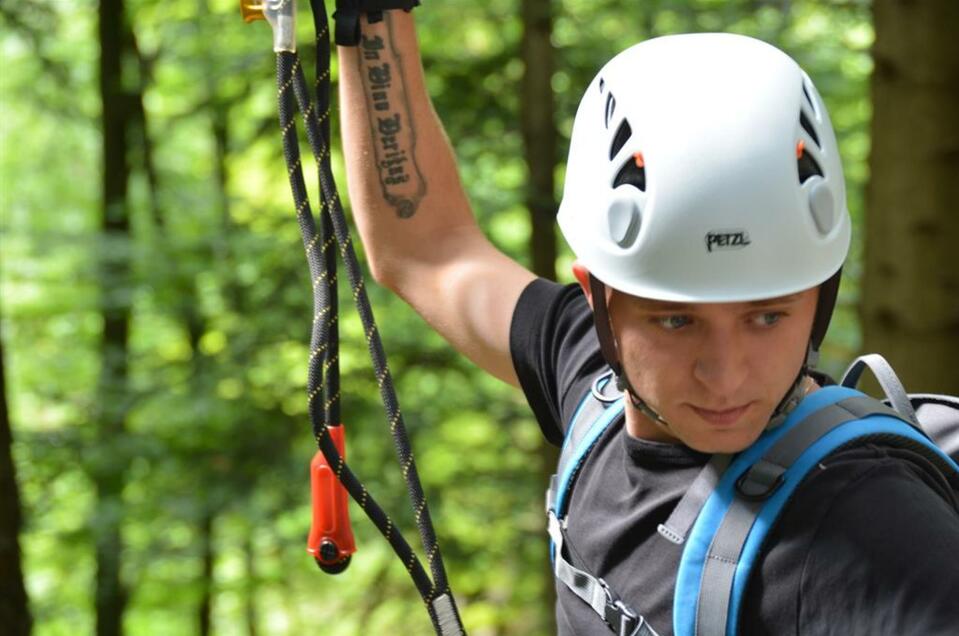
[(582, 439), (590, 420), (588, 412), (726, 539)]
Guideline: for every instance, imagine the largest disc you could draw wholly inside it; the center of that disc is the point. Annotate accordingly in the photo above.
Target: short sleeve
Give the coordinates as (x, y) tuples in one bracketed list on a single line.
[(901, 539), (867, 547), (555, 352)]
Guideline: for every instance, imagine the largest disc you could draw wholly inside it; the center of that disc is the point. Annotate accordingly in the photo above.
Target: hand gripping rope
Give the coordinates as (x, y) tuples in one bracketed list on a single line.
[(331, 538)]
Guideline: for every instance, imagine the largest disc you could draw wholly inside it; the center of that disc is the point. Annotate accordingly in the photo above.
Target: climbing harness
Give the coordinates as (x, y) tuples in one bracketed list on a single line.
[(330, 539), (730, 507)]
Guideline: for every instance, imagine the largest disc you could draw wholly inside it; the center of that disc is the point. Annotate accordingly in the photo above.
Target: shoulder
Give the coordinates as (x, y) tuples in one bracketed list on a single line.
[(544, 304), (554, 350), (862, 548)]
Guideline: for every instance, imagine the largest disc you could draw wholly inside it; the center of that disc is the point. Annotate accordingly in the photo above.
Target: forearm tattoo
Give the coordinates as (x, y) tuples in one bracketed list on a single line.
[(391, 122)]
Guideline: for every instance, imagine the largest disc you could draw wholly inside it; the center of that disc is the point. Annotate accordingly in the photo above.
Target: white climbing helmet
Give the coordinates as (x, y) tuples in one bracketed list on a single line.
[(704, 168)]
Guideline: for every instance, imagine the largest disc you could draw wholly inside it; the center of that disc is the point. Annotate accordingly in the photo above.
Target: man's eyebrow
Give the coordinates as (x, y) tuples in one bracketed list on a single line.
[(665, 305), (779, 300)]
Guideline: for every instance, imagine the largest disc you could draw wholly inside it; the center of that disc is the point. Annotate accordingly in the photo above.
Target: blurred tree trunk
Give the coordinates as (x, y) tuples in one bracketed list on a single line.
[(539, 139), (108, 467), (236, 298), (910, 290), (140, 131), (249, 604), (539, 133), (14, 608), (206, 576)]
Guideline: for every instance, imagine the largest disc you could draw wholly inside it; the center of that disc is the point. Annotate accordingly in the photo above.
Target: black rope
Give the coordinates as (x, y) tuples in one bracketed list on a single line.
[(323, 374), (318, 138), (331, 386), (286, 64)]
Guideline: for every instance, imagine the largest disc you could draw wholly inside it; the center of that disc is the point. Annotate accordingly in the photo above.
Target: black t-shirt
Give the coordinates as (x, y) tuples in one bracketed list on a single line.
[(869, 544)]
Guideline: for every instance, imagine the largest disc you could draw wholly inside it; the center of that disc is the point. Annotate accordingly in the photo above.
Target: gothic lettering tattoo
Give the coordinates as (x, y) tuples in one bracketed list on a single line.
[(391, 123)]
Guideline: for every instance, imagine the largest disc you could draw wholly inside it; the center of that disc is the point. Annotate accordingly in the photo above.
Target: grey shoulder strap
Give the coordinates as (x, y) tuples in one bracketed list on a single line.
[(888, 380), (755, 486), (683, 516), (937, 415)]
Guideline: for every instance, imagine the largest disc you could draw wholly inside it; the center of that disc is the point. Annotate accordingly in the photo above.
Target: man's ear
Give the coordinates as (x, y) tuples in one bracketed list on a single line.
[(582, 277)]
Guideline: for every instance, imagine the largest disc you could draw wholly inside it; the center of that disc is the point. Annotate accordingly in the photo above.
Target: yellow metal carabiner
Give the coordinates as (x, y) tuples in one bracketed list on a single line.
[(251, 10)]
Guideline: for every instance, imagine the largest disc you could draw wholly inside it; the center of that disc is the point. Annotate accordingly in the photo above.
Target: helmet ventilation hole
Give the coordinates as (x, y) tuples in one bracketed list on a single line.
[(806, 88), (631, 174), (805, 92), (610, 107), (808, 167), (623, 133), (808, 127)]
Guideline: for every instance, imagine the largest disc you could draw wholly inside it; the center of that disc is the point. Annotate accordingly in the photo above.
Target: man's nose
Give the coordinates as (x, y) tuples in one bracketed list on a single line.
[(721, 364)]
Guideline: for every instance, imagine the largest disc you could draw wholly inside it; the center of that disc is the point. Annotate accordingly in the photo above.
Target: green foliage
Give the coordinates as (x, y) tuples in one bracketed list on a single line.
[(217, 425)]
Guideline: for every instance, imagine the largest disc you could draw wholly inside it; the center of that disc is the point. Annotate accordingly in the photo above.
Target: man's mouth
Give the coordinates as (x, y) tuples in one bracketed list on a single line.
[(724, 417)]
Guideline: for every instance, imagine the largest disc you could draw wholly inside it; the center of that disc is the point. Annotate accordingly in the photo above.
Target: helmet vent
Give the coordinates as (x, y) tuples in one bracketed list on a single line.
[(805, 92), (808, 167), (631, 174), (808, 127), (623, 133), (610, 107), (808, 91)]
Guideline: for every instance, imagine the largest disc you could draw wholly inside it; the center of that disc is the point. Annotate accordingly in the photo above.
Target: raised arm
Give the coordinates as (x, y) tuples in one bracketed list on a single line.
[(414, 219)]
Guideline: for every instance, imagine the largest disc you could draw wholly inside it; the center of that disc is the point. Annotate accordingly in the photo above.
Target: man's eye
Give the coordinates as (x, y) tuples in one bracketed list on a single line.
[(672, 323), (768, 319)]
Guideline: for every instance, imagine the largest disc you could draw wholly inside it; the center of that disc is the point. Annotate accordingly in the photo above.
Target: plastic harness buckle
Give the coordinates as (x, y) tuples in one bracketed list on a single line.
[(761, 480), (617, 615)]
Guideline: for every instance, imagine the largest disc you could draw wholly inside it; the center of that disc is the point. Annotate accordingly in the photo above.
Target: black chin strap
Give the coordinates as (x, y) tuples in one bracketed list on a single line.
[(607, 345), (604, 331), (828, 292)]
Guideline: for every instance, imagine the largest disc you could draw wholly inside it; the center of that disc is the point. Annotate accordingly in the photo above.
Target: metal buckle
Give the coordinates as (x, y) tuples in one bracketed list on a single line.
[(617, 615), (602, 383)]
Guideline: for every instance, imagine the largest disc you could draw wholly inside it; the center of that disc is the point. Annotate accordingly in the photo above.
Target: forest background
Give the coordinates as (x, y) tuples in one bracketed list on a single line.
[(156, 307)]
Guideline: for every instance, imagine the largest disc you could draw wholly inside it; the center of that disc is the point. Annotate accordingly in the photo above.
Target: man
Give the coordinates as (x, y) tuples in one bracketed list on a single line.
[(705, 203)]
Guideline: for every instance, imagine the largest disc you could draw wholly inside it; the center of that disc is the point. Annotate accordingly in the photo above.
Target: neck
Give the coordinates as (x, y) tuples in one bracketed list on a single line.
[(640, 426)]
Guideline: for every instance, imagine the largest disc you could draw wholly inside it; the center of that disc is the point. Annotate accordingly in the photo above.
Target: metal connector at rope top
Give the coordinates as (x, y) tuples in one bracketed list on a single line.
[(281, 14)]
